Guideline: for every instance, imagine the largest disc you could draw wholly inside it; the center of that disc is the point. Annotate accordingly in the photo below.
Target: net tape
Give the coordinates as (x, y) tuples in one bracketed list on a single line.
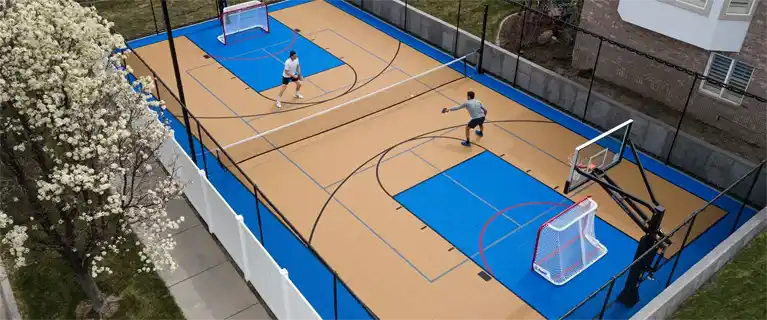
[(346, 112)]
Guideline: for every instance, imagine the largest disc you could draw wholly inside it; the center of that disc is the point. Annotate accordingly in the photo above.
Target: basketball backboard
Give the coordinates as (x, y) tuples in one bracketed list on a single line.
[(604, 152)]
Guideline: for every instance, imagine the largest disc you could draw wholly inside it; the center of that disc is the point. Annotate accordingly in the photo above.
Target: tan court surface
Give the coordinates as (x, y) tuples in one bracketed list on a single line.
[(376, 273)]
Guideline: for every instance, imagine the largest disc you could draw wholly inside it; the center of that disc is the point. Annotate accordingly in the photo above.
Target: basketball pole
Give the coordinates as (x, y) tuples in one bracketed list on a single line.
[(180, 86), (629, 203)]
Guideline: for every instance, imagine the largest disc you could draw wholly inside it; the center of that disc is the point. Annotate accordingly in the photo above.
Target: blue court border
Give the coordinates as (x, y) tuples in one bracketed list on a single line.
[(207, 24), (651, 164), (670, 174)]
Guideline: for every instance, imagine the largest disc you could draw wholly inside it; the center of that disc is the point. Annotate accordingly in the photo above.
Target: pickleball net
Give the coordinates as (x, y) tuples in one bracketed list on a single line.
[(362, 103)]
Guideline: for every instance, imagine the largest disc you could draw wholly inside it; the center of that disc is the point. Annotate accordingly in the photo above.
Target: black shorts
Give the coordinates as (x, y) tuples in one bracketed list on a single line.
[(286, 80), (475, 122)]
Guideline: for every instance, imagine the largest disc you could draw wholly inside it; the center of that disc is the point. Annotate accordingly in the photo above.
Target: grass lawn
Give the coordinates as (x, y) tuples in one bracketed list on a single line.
[(48, 290), (737, 291), (136, 18), (471, 13)]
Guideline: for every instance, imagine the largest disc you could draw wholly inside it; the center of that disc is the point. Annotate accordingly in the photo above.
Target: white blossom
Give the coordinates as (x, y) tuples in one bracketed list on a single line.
[(64, 97)]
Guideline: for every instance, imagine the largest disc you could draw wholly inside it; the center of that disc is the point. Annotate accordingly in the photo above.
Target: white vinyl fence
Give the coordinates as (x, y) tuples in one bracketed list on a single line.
[(258, 266)]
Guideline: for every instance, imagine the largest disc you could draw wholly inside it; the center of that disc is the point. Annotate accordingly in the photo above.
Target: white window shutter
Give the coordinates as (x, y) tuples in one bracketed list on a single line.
[(740, 6), (718, 70), (739, 79)]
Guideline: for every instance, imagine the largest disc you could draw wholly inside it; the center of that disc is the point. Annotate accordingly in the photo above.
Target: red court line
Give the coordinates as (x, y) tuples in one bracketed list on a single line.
[(290, 45), (496, 215)]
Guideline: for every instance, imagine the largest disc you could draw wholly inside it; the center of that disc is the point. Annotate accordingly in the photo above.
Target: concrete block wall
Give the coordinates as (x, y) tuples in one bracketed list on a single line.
[(691, 154)]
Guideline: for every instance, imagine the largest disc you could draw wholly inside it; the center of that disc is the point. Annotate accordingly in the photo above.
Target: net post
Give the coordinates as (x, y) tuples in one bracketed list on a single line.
[(482, 40), (174, 59)]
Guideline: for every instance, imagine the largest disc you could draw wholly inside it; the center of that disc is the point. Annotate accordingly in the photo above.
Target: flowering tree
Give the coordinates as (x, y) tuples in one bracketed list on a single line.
[(77, 146)]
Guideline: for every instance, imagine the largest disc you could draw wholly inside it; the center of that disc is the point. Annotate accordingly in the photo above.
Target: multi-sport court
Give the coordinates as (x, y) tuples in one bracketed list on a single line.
[(403, 206)]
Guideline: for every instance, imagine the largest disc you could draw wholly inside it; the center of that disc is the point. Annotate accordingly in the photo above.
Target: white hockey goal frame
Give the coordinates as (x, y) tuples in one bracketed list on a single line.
[(590, 209), (238, 8)]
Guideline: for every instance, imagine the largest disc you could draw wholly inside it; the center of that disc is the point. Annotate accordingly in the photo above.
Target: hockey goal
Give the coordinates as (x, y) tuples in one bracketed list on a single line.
[(566, 244), (243, 17)]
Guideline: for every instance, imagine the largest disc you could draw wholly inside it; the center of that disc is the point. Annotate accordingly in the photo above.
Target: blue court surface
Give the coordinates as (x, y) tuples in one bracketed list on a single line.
[(456, 203), (253, 54), (459, 201)]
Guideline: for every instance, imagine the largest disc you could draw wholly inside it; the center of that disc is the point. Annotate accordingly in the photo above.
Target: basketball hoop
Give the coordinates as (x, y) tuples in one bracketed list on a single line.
[(586, 167)]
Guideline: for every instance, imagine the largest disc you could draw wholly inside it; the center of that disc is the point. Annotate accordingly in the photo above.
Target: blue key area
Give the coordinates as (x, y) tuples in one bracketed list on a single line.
[(457, 204)]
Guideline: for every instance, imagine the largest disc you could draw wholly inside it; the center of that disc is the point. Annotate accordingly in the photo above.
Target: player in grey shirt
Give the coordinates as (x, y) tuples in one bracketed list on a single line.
[(477, 112)]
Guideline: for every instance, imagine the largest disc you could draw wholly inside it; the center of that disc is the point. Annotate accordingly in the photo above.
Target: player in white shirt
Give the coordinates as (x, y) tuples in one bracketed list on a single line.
[(291, 73)]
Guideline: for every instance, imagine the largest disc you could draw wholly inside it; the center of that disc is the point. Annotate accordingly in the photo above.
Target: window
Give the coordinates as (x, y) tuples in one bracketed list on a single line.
[(728, 71), (698, 3), (701, 7), (739, 7)]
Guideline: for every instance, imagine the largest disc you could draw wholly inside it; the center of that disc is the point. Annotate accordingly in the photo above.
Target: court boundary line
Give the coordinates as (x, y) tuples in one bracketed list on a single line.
[(365, 168), (659, 175), (307, 77), (456, 101), (697, 188), (376, 234), (411, 150), (449, 99), (444, 173), (469, 257), (151, 39), (246, 52), (481, 267), (671, 175), (535, 105)]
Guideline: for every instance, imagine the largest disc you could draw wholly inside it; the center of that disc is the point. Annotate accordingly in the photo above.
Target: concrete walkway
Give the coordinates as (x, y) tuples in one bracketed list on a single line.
[(206, 284)]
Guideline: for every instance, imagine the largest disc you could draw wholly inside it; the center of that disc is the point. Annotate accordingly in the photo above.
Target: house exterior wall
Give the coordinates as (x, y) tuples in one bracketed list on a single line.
[(669, 87)]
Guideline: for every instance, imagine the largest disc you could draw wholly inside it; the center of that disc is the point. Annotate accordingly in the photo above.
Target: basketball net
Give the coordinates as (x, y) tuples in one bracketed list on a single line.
[(585, 167)]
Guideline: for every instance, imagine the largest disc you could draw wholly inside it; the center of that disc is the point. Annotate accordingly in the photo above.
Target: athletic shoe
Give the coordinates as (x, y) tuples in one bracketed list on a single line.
[(279, 105), (298, 95), (466, 143), (479, 133)]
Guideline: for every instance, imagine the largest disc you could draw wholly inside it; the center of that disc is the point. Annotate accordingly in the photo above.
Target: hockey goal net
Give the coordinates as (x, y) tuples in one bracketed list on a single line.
[(566, 244), (243, 17)]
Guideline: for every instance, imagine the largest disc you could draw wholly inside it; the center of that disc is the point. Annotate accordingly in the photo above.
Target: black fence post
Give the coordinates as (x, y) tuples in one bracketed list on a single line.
[(457, 31), (681, 249), (607, 299), (681, 118), (202, 146), (154, 18), (404, 23), (335, 294), (258, 214), (519, 48), (591, 83), (154, 79), (482, 41), (174, 59), (745, 200)]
